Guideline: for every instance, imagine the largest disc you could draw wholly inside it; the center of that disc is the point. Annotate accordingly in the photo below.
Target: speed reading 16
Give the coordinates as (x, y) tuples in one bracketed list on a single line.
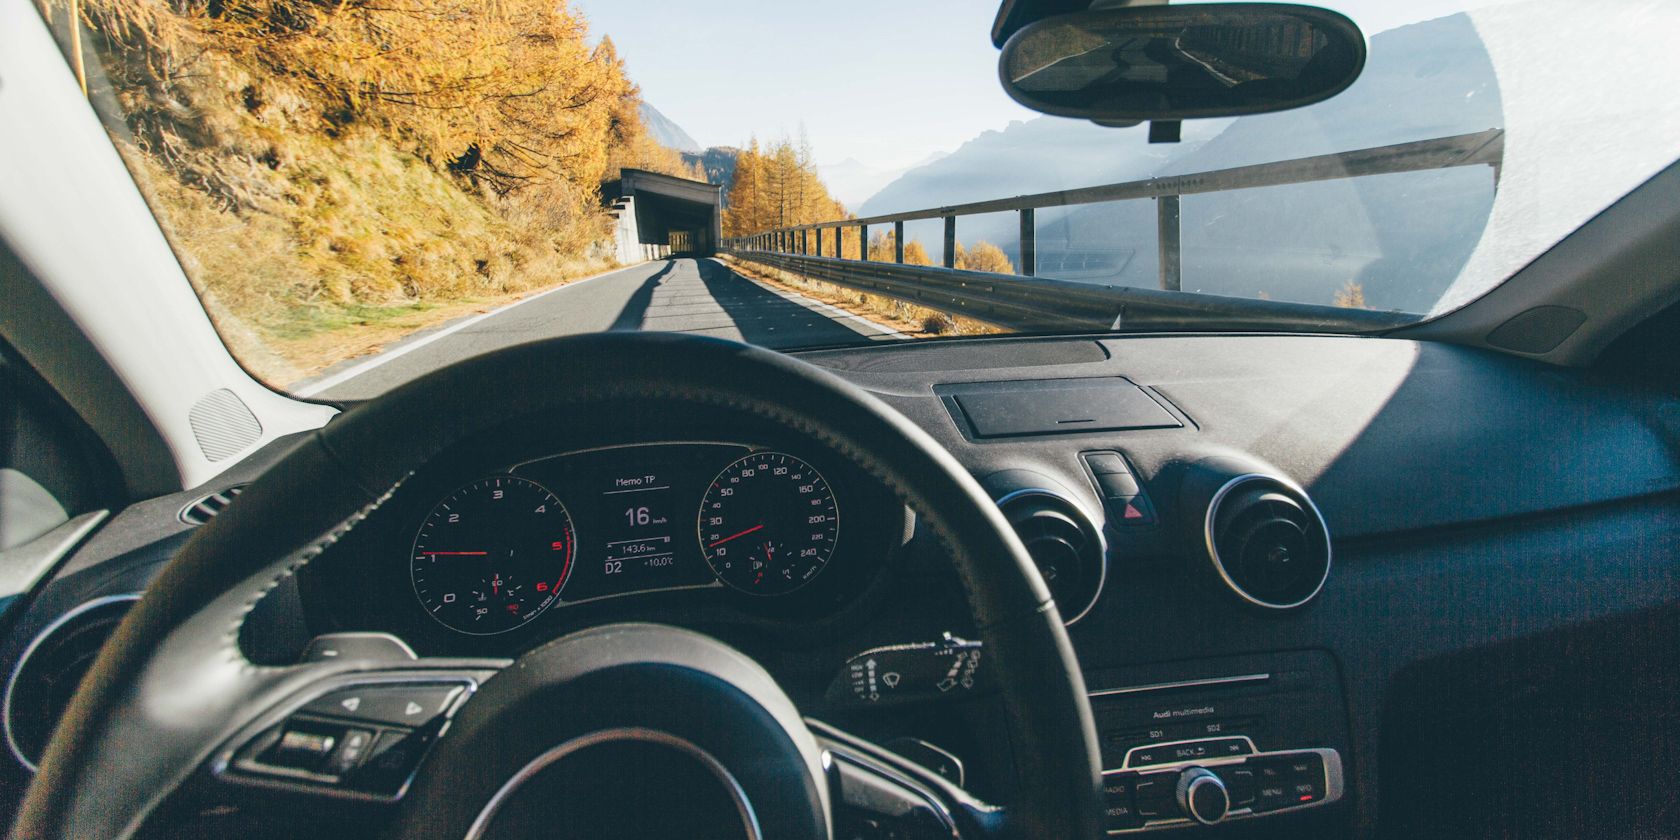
[(768, 523)]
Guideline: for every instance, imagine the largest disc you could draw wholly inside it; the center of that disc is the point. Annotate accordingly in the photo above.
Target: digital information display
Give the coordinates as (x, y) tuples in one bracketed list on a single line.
[(634, 511)]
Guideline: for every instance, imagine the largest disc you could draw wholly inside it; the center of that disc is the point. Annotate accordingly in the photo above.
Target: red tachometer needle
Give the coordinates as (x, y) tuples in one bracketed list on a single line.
[(736, 536), (455, 553)]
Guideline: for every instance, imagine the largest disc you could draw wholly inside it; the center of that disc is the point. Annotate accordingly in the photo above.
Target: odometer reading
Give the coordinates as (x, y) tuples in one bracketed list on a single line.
[(768, 524), (493, 555)]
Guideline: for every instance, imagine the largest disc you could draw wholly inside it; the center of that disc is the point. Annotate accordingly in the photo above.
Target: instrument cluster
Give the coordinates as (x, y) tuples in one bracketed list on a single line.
[(758, 526)]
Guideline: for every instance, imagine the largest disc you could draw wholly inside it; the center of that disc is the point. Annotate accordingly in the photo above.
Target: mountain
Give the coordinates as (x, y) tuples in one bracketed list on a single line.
[(1402, 238), (854, 182), (1039, 155), (669, 134), (719, 164)]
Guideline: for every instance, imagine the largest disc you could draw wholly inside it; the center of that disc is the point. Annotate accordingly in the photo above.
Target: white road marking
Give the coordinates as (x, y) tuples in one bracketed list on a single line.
[(401, 350)]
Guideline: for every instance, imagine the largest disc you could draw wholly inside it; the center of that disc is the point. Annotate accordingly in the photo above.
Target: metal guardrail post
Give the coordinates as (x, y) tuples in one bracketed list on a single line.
[(1029, 243), (950, 241), (898, 242), (819, 241), (863, 242), (1168, 242)]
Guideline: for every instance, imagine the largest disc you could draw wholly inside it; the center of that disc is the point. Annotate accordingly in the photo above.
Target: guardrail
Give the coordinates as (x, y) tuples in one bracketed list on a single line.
[(1024, 301)]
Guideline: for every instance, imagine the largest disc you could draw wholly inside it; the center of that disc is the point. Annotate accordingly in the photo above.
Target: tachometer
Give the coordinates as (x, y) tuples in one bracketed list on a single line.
[(768, 524), (493, 555)]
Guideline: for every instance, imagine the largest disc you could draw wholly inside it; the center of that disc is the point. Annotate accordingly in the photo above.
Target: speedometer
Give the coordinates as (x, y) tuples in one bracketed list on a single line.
[(493, 555), (768, 524)]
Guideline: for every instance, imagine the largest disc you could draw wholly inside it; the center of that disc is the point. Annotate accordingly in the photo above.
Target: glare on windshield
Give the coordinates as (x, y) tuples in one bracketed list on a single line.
[(363, 192)]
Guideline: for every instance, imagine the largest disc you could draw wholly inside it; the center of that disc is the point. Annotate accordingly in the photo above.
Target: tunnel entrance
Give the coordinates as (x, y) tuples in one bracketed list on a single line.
[(671, 215)]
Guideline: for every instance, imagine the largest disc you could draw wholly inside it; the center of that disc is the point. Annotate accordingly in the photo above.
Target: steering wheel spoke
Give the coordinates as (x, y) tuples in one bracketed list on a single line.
[(352, 734), (879, 794)]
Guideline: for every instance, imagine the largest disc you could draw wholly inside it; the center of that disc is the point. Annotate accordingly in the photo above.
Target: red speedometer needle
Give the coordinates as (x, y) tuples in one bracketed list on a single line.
[(736, 536), (455, 553)]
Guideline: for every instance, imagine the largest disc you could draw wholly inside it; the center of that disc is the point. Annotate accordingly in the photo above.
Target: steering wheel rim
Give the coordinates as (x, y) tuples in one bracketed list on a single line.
[(173, 685)]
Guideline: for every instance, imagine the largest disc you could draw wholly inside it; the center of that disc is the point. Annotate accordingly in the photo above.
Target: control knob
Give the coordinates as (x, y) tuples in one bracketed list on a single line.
[(1202, 795)]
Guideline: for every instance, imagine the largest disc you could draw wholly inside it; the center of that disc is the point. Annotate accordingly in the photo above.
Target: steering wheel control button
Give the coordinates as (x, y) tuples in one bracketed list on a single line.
[(1202, 796), (401, 704), (392, 761), (304, 747), (352, 748)]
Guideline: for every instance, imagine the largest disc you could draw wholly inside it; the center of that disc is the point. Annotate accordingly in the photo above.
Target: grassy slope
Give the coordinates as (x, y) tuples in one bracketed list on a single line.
[(313, 242)]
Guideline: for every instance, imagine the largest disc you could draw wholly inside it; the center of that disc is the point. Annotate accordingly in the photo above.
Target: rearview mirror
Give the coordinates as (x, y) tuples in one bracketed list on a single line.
[(1182, 62)]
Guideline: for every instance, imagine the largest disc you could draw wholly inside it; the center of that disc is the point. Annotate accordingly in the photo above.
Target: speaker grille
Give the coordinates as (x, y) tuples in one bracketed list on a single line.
[(223, 424)]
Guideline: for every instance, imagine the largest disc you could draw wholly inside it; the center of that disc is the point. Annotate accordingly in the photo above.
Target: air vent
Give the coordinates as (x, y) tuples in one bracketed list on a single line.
[(1064, 543), (1267, 541), (206, 508), (50, 671)]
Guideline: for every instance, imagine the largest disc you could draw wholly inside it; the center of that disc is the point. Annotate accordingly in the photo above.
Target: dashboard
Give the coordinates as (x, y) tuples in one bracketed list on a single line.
[(1503, 538)]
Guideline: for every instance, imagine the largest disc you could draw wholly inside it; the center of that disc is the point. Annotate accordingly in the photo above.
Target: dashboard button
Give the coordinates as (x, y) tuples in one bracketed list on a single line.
[(404, 705), (1147, 755), (1119, 812), (1272, 788), (1118, 485), (1130, 511), (1305, 766), (1156, 795), (1240, 781), (1106, 463)]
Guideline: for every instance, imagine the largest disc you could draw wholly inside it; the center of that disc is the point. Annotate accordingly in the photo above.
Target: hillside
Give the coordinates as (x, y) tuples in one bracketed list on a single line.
[(373, 172), (718, 164)]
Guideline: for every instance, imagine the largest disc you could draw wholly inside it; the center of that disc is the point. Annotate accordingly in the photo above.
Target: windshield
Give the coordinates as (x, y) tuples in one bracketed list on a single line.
[(363, 192)]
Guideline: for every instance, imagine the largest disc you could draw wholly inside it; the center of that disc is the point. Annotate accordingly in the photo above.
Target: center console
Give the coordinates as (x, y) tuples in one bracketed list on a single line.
[(1219, 740)]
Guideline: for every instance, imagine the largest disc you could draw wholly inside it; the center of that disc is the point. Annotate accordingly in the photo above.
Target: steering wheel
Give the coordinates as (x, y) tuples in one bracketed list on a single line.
[(174, 690)]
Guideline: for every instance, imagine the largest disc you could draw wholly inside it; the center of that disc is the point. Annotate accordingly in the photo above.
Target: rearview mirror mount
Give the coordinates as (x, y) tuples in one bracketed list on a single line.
[(1167, 63)]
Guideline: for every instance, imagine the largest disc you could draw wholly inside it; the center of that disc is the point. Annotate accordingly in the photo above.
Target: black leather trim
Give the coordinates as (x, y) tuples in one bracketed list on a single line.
[(173, 683)]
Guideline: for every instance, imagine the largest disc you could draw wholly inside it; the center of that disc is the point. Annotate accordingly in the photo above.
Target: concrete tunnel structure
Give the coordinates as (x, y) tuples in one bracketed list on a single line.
[(662, 215)]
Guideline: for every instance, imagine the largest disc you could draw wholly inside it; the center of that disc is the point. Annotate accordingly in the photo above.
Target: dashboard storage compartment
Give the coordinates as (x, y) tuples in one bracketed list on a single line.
[(1049, 407)]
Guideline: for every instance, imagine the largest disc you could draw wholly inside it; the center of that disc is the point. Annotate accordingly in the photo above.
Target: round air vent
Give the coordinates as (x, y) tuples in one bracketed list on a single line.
[(1267, 541), (51, 668), (1064, 543)]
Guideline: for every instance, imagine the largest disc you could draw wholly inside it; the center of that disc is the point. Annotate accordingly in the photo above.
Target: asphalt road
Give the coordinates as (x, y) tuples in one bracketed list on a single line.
[(678, 295)]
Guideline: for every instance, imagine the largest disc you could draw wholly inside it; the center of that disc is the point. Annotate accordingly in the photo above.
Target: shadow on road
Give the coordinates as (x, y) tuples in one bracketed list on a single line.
[(635, 309), (768, 319)]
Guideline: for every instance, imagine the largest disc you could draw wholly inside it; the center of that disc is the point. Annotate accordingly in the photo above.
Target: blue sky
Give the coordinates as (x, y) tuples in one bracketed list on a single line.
[(884, 81)]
